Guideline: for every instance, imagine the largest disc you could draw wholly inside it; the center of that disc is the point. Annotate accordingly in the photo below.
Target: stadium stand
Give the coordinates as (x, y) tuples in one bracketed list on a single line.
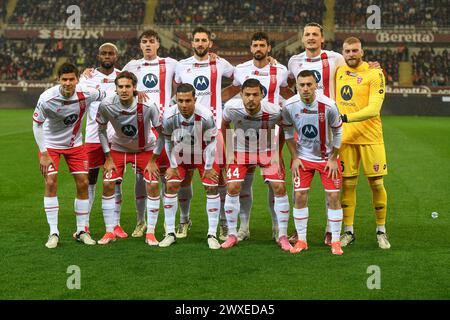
[(431, 68), (99, 12), (401, 13), (248, 12)]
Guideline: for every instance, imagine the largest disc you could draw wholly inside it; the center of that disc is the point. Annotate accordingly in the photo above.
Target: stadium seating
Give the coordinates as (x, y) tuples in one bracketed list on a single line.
[(403, 13), (99, 12), (431, 68), (244, 12)]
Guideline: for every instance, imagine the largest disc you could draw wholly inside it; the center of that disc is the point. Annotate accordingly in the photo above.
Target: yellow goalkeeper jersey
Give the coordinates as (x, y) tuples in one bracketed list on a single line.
[(359, 94)]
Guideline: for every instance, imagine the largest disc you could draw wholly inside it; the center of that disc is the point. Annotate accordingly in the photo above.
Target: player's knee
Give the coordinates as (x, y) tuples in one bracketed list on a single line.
[(51, 184), (301, 198), (108, 188), (82, 183), (279, 189), (152, 189), (349, 183), (211, 190), (172, 187), (376, 183), (333, 200), (233, 188)]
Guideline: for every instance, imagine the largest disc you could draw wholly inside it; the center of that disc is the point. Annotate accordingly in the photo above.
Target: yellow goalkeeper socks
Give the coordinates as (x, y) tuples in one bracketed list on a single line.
[(379, 200), (349, 200)]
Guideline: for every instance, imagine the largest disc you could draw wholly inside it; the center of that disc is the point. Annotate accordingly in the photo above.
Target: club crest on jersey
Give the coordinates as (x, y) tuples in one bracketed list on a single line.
[(69, 120), (359, 80), (129, 130), (376, 167), (309, 131), (321, 116), (150, 80), (201, 83), (346, 93)]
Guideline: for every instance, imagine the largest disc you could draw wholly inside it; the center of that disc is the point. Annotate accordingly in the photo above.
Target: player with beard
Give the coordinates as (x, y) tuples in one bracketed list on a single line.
[(204, 73), (273, 78), (102, 77)]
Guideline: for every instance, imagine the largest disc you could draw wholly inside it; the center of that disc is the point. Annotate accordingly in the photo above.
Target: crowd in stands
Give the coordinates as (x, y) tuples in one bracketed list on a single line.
[(431, 68), (24, 60), (3, 4), (400, 13), (98, 12), (244, 12), (33, 59)]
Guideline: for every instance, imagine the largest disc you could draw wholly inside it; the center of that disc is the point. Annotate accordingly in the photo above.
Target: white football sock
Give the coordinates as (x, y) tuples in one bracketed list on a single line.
[(91, 193), (301, 222), (328, 228), (335, 222), (381, 228), (212, 209), (170, 210), (81, 211), (223, 194), (51, 207), (231, 212), (108, 205), (271, 201), (184, 199), (282, 210), (118, 203), (141, 196), (152, 213), (246, 202), (348, 228)]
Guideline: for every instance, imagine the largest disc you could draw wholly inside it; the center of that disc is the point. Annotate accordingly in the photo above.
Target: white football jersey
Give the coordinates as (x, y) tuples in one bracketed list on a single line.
[(106, 83), (314, 124), (253, 133), (206, 77), (189, 132), (62, 117), (154, 78), (132, 125), (271, 78), (324, 67)]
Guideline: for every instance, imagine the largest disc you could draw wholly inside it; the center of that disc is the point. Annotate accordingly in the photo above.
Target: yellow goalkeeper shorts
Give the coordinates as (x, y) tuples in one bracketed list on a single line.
[(372, 156)]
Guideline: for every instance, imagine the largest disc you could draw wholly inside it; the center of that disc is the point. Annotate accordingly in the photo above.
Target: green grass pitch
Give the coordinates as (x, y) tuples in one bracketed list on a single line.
[(416, 267)]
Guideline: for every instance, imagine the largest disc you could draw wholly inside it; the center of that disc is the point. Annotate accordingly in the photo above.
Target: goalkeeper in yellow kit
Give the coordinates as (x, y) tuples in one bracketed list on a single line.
[(360, 93)]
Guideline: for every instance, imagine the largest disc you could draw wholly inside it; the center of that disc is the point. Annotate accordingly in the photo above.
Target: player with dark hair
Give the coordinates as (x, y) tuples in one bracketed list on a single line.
[(133, 142), (316, 120), (57, 122), (254, 123), (190, 139)]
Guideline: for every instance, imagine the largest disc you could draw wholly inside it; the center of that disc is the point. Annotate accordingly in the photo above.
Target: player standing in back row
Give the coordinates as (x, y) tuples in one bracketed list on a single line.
[(57, 122), (102, 77), (155, 77), (273, 78), (205, 74), (360, 96)]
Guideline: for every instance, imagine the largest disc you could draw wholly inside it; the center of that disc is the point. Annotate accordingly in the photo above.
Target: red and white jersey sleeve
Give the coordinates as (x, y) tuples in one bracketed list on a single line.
[(62, 117), (199, 128), (314, 123), (132, 125), (105, 83), (154, 78), (272, 78), (253, 133), (206, 77), (324, 67)]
